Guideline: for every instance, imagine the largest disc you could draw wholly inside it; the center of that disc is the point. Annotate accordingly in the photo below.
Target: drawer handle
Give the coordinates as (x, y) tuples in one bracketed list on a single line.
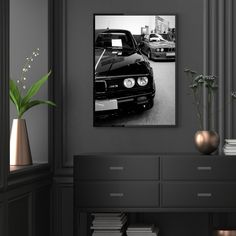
[(116, 195), (116, 168), (204, 168), (204, 195)]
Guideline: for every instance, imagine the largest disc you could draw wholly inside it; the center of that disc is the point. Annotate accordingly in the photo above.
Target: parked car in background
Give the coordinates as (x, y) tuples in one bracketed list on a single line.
[(167, 37), (157, 48), (123, 79)]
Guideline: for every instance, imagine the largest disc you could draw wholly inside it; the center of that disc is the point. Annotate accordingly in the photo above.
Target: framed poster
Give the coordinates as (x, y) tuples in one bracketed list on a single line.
[(134, 70)]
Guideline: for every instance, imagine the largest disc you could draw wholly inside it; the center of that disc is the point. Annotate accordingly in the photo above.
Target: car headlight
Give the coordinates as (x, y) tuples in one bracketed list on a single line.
[(142, 81), (162, 49), (129, 83), (158, 49)]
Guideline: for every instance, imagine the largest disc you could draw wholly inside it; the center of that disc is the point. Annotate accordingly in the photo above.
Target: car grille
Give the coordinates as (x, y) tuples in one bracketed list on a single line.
[(100, 86), (113, 89), (169, 49)]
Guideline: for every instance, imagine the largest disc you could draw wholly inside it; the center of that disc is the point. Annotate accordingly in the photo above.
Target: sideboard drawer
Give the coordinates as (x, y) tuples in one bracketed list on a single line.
[(117, 194), (125, 167), (194, 195), (199, 168)]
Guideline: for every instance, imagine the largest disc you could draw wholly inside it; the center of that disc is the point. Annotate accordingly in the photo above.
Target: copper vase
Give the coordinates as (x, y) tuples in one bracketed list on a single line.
[(206, 142), (20, 153)]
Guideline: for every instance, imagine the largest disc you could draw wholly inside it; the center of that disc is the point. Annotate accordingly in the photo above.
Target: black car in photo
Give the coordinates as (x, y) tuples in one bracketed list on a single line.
[(157, 48), (123, 80)]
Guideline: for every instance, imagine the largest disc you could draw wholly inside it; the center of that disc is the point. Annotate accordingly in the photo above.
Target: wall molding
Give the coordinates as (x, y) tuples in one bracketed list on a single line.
[(61, 163), (62, 190), (29, 177), (28, 198), (3, 219), (218, 60), (221, 72), (229, 67), (205, 58), (4, 91)]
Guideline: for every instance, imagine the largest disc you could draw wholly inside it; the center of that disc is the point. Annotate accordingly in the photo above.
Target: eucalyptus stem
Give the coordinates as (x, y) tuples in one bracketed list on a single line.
[(26, 69), (24, 102), (209, 108), (197, 83), (197, 105)]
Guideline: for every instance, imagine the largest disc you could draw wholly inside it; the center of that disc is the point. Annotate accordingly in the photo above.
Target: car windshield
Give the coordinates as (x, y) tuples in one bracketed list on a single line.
[(114, 41), (166, 37), (156, 38), (153, 36)]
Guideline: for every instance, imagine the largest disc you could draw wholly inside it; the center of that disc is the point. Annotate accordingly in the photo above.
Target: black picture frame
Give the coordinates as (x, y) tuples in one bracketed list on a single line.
[(119, 120)]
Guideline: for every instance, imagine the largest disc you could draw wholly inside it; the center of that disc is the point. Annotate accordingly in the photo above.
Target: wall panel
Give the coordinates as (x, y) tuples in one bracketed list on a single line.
[(42, 210), (19, 216), (63, 207), (1, 219)]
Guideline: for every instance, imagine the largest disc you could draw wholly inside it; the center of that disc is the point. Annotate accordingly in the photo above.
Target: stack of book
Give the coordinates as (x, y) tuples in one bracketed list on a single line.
[(108, 224), (230, 147), (142, 230)]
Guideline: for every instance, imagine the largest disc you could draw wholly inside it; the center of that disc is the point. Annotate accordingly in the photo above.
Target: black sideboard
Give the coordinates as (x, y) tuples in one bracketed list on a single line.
[(154, 183)]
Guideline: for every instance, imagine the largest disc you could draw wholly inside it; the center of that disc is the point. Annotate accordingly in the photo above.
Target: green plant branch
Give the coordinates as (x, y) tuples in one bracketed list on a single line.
[(209, 108), (24, 103), (195, 89), (196, 84), (199, 113)]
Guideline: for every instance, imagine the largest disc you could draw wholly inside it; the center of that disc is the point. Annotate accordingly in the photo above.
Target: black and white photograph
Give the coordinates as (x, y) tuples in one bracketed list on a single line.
[(134, 70)]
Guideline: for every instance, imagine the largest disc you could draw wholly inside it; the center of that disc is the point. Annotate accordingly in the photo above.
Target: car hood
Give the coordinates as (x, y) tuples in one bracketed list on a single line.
[(110, 62), (163, 44)]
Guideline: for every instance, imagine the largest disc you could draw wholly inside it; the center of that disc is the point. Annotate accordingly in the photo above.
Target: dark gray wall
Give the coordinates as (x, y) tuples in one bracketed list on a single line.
[(205, 29), (81, 135), (29, 31)]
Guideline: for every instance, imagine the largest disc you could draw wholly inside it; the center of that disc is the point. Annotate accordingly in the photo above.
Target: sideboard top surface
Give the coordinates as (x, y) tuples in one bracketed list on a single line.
[(135, 155)]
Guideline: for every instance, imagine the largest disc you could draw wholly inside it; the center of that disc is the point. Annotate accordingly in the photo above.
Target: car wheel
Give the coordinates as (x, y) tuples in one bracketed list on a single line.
[(149, 54)]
